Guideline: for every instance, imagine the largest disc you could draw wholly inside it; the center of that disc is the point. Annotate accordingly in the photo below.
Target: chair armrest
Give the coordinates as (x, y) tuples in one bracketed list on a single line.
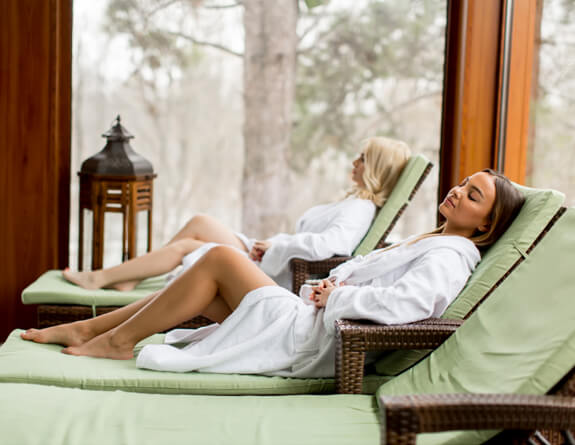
[(355, 338), (403, 417), (302, 270)]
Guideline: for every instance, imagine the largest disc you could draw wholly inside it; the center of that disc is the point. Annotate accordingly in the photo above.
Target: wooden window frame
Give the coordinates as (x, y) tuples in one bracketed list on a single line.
[(487, 88)]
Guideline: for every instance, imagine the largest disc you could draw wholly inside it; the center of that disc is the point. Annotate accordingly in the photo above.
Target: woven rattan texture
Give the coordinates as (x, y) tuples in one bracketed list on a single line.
[(354, 339), (405, 416), (303, 270), (53, 314)]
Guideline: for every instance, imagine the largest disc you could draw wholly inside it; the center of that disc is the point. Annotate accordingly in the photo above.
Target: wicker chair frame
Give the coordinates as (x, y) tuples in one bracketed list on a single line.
[(303, 270), (526, 419)]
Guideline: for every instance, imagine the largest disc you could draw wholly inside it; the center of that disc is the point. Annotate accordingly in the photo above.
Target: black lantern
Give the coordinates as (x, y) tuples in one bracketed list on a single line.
[(117, 180)]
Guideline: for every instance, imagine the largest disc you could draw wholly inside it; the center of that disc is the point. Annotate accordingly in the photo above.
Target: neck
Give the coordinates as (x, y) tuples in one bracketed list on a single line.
[(448, 230)]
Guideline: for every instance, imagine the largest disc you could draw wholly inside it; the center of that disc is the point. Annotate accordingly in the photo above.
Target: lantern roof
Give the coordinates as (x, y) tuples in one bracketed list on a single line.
[(117, 158)]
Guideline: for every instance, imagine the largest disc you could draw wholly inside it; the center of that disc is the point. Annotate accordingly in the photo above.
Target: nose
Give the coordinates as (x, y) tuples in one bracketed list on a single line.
[(355, 161)]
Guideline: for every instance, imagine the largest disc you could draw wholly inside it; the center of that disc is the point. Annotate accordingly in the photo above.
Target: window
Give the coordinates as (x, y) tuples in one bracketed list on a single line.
[(551, 149), (363, 68)]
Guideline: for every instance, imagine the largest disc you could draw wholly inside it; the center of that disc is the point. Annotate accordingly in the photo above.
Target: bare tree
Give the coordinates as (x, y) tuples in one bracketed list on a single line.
[(269, 71), (269, 83)]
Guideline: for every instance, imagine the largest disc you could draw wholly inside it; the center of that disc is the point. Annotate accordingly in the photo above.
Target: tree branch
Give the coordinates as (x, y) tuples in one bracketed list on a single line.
[(322, 36), (203, 43), (160, 7), (231, 5), (313, 25)]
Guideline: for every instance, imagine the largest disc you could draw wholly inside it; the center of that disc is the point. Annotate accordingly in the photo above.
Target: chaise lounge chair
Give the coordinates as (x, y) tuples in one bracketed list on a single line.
[(493, 372), (541, 210), (520, 340)]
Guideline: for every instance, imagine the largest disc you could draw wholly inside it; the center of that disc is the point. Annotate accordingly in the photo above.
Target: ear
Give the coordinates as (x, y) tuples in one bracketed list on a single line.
[(484, 227)]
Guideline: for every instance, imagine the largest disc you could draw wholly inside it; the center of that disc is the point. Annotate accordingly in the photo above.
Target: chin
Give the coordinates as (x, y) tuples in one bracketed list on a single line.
[(443, 209)]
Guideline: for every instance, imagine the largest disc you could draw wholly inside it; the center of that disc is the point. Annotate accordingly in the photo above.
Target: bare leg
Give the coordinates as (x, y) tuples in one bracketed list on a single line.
[(79, 332), (209, 230), (222, 273), (126, 275), (199, 230)]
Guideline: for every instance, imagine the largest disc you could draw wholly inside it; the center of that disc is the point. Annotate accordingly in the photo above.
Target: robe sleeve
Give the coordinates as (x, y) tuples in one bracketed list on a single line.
[(344, 270), (340, 238), (426, 289)]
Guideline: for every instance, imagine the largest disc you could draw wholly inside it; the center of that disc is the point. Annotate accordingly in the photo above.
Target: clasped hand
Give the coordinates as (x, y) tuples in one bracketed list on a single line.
[(321, 292), (258, 250)]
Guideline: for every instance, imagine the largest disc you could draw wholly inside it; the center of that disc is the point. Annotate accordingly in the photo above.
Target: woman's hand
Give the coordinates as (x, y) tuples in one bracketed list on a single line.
[(321, 293), (259, 249)]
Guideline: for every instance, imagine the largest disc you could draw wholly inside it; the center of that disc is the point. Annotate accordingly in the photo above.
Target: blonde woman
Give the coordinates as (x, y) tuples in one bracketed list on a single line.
[(321, 232)]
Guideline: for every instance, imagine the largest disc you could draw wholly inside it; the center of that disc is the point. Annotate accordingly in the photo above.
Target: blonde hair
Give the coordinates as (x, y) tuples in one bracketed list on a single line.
[(384, 160)]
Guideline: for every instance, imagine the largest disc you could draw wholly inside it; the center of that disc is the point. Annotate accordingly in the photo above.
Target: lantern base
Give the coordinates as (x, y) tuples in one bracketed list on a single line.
[(127, 195)]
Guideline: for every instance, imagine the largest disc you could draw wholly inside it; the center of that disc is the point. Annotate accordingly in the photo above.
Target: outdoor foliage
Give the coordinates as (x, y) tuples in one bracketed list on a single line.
[(363, 68)]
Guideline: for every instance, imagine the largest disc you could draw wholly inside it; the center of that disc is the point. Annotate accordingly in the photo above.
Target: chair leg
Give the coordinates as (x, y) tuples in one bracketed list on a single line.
[(349, 378)]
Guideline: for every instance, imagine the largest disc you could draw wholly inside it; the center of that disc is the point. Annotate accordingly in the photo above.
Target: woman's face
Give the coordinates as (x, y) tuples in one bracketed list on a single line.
[(467, 206), (358, 169)]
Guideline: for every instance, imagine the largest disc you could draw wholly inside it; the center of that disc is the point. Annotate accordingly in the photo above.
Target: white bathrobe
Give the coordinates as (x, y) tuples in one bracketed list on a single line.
[(275, 332), (322, 232)]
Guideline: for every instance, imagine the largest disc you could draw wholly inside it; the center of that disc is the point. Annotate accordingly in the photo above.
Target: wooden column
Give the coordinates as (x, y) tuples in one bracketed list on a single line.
[(481, 99), (515, 122), (35, 117), (470, 89)]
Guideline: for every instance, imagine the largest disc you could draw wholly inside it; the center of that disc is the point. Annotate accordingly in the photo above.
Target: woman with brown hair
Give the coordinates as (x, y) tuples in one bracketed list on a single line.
[(268, 330)]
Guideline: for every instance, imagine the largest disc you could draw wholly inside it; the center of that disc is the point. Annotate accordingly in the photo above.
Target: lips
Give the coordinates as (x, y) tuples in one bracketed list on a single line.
[(450, 202)]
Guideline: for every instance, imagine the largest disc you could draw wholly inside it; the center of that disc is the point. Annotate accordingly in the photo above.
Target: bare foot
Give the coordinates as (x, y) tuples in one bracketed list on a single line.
[(125, 286), (86, 280), (71, 334), (103, 346)]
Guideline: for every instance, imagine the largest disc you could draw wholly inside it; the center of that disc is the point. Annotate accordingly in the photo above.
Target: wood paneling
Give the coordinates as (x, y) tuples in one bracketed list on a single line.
[(35, 117)]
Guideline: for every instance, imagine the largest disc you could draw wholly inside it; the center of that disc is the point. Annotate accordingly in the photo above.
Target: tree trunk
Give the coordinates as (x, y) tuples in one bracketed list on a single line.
[(269, 79)]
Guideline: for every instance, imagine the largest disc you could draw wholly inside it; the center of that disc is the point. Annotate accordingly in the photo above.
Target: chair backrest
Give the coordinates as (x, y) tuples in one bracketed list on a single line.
[(411, 178), (520, 340), (540, 210)]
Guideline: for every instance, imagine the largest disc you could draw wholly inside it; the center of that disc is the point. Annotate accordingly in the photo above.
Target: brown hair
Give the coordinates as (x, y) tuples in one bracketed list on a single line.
[(507, 204)]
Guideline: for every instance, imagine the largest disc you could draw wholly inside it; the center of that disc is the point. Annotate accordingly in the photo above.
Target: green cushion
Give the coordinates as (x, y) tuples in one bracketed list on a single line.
[(52, 288), (521, 340), (400, 196), (27, 362), (539, 208), (46, 415)]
